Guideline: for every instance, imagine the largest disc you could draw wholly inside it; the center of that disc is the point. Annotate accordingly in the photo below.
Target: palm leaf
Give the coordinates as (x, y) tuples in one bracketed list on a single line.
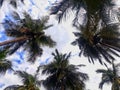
[(1, 2), (97, 43), (15, 87), (4, 63), (26, 78), (93, 7), (32, 30), (102, 82), (63, 75), (109, 76), (101, 71)]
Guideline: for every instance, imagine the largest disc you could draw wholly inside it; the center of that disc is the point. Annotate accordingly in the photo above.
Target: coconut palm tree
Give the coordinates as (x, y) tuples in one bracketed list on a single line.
[(98, 44), (12, 2), (30, 82), (4, 63), (62, 75), (29, 34), (98, 29), (94, 8), (110, 76)]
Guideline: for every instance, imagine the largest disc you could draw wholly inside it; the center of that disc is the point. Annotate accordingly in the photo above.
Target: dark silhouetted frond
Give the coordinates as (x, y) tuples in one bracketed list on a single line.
[(27, 33), (4, 63), (62, 74), (1, 2), (110, 76), (96, 43)]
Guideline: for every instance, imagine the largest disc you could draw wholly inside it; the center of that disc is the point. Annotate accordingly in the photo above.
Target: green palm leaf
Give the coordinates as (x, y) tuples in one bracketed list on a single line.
[(30, 82), (110, 76), (61, 75), (29, 34), (61, 9), (97, 44), (4, 63)]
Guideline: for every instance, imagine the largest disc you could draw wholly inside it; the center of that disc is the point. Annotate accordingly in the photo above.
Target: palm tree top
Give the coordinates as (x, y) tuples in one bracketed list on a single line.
[(5, 64), (27, 33), (93, 7), (26, 24), (97, 42), (30, 82), (26, 78), (60, 61), (110, 75), (62, 75)]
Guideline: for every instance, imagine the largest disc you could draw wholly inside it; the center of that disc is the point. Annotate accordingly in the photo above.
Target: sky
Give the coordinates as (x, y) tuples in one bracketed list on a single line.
[(61, 33)]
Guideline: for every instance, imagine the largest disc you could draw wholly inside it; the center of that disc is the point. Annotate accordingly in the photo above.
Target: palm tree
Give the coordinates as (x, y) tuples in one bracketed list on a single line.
[(62, 75), (27, 33), (4, 63), (12, 2), (30, 82), (98, 30), (94, 8), (110, 76), (98, 44)]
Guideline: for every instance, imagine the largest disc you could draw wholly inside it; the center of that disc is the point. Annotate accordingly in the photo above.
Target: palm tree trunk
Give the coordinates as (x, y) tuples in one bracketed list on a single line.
[(112, 88), (115, 86), (14, 40), (62, 88)]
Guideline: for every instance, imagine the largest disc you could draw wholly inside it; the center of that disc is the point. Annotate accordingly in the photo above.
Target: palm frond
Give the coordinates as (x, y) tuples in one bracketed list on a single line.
[(30, 82), (34, 51), (96, 43), (26, 78), (101, 71), (1, 2), (32, 30), (15, 47), (63, 7), (13, 3), (114, 52), (46, 41), (61, 73), (14, 87), (5, 65), (102, 82), (3, 54), (109, 75)]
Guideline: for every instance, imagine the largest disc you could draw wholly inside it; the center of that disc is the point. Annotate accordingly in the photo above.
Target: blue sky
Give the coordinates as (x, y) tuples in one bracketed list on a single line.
[(61, 33)]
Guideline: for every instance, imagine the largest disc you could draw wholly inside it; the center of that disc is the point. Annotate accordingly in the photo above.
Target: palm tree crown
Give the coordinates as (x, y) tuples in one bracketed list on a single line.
[(28, 33), (4, 63), (93, 8), (97, 32), (63, 76), (30, 82), (110, 76), (98, 43)]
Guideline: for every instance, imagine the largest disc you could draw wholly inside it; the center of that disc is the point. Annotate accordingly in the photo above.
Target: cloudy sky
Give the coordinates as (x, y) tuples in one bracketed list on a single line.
[(61, 33)]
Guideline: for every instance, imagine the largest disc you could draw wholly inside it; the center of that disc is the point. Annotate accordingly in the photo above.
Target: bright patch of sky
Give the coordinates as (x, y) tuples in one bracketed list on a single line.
[(61, 33)]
